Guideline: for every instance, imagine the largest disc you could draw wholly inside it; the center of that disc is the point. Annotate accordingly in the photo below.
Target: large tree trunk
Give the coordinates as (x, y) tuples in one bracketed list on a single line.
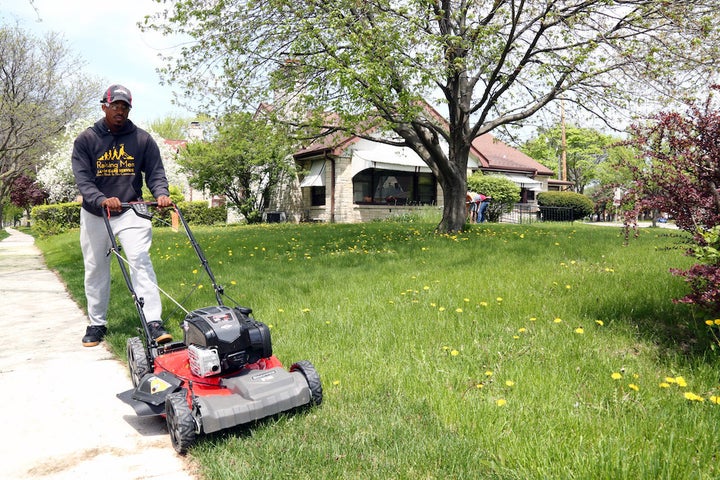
[(454, 212)]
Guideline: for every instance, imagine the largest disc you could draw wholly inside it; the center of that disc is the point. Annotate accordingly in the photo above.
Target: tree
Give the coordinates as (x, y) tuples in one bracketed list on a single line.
[(586, 151), (244, 162), (39, 94), (26, 193), (171, 128), (680, 175), (374, 63)]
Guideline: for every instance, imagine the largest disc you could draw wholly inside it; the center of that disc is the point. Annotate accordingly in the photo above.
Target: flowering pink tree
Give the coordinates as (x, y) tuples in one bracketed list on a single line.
[(680, 175)]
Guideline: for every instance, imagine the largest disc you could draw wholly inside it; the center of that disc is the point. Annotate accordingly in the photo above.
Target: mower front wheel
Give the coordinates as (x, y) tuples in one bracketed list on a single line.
[(180, 421), (312, 378), (137, 360)]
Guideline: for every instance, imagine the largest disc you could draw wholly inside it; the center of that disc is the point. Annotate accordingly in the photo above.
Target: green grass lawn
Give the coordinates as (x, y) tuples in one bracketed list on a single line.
[(505, 352)]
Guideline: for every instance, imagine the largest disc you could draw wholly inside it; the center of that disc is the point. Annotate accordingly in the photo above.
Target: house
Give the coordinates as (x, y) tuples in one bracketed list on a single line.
[(348, 179)]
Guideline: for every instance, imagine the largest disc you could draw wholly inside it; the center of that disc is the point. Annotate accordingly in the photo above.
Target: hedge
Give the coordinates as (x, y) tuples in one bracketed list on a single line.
[(61, 217), (581, 205)]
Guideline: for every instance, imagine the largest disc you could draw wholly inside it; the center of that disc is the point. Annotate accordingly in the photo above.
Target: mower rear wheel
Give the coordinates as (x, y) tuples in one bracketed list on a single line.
[(312, 378), (137, 360), (180, 421)]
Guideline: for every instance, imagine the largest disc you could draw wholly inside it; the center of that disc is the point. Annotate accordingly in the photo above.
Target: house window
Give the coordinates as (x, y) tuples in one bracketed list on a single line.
[(389, 187), (317, 196)]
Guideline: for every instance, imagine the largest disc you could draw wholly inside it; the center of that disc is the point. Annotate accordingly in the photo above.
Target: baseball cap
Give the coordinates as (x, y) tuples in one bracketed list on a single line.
[(116, 93)]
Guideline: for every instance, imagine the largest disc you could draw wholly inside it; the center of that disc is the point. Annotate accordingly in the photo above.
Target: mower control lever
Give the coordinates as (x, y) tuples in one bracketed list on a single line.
[(141, 208)]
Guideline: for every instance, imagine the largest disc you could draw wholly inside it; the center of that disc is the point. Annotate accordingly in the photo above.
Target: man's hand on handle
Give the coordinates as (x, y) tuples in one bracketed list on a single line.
[(164, 201), (113, 204)]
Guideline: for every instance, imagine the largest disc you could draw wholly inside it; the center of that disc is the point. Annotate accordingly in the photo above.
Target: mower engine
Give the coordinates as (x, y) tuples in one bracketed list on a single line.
[(223, 339)]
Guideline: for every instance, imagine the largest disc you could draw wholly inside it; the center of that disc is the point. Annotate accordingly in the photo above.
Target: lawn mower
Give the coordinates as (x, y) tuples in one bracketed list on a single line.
[(223, 374)]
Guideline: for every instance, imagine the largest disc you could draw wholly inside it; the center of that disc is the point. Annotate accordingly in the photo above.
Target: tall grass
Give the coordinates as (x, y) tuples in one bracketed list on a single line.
[(506, 352)]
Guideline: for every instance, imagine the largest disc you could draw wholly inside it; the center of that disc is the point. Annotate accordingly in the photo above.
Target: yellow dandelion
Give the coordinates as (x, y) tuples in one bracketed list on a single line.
[(509, 383), (568, 287), (532, 319), (280, 310), (233, 282), (194, 271), (710, 322), (501, 402), (305, 310), (557, 320), (515, 337), (454, 353), (488, 373), (693, 397), (336, 382), (680, 382), (670, 379), (522, 329), (499, 299), (479, 385), (715, 399), (483, 304), (426, 287), (664, 385), (632, 386), (442, 309), (445, 347), (458, 310), (466, 300), (600, 322), (579, 331), (616, 375), (433, 304), (717, 321)]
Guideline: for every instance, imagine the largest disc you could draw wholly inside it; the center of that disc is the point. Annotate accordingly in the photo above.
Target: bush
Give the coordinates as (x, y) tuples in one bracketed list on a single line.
[(56, 218), (504, 192), (61, 217), (581, 205), (195, 213)]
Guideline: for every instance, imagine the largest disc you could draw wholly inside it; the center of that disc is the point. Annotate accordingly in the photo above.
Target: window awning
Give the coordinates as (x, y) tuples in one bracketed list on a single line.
[(386, 157), (316, 177), (524, 182)]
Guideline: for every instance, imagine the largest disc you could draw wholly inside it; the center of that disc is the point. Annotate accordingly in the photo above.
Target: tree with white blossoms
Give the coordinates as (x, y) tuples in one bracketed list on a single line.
[(56, 175)]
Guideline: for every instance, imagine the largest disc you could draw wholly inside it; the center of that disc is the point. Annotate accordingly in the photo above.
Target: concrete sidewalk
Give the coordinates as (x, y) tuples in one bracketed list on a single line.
[(61, 418)]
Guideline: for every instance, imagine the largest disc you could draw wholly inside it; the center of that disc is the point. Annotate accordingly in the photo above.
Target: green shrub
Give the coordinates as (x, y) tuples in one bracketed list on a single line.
[(195, 213), (505, 194), (581, 205), (56, 218)]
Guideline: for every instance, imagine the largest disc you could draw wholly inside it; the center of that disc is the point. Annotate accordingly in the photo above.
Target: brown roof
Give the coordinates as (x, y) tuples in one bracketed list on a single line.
[(497, 155)]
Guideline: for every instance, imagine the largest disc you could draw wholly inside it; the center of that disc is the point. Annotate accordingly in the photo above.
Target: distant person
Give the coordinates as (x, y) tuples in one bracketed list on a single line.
[(471, 207), (109, 161), (482, 208)]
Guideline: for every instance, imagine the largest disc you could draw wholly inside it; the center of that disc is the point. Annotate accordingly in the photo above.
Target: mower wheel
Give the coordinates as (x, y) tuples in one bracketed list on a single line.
[(180, 421), (137, 360), (312, 378)]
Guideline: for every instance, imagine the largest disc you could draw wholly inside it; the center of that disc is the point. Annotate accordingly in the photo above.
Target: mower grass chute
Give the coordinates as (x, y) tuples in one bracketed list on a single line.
[(223, 374)]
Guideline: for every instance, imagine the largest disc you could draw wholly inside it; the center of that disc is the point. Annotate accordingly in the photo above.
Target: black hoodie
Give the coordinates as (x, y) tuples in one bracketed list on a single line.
[(108, 164)]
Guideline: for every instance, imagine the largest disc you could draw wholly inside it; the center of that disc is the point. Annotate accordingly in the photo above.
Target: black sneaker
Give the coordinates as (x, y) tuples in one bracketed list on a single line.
[(94, 335), (158, 333)]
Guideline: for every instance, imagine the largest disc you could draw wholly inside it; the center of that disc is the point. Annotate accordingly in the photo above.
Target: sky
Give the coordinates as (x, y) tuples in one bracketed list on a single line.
[(104, 34)]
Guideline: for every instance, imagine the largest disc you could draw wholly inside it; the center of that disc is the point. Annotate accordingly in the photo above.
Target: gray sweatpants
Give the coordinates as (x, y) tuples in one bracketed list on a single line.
[(135, 236)]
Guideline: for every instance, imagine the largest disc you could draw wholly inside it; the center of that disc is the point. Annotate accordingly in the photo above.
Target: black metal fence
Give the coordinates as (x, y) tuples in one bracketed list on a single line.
[(534, 213)]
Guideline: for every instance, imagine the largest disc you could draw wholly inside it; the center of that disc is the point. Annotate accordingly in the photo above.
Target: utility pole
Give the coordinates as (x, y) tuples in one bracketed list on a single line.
[(563, 151)]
